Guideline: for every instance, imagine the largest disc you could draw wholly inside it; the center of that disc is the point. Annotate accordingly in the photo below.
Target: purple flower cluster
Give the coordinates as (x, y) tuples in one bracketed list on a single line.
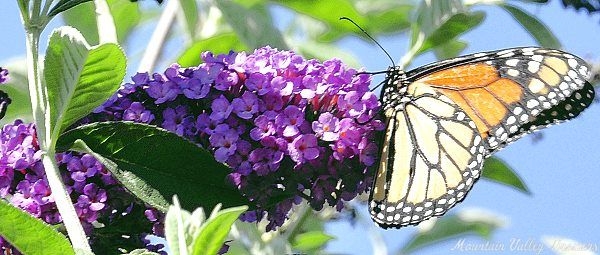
[(4, 99), (23, 181), (22, 176), (289, 128), (3, 75)]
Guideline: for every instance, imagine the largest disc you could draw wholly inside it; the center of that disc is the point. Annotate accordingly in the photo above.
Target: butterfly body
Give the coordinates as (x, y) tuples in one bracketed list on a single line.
[(443, 119)]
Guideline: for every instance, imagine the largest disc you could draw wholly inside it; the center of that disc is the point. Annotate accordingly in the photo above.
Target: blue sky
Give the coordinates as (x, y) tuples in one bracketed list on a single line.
[(562, 170)]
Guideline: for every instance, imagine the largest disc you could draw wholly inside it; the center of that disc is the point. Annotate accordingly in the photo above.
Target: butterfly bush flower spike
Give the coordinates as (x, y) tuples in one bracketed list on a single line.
[(287, 127), (23, 181), (3, 75), (95, 193), (4, 99)]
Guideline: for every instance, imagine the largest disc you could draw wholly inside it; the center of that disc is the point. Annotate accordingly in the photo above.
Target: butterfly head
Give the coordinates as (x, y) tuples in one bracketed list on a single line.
[(395, 79), (394, 86)]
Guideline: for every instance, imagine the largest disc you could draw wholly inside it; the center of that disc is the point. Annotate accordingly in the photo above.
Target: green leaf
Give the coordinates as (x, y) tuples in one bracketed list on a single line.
[(391, 19), (328, 12), (222, 43), (79, 80), (323, 10), (64, 5), (176, 229), (438, 24), (135, 184), (253, 24), (190, 12), (384, 17), (87, 27), (102, 75), (465, 223), (535, 27), (65, 58), (430, 15), (310, 241), (310, 221), (456, 25), (450, 49), (126, 16), (155, 164), (250, 3), (213, 232), (498, 171), (30, 235)]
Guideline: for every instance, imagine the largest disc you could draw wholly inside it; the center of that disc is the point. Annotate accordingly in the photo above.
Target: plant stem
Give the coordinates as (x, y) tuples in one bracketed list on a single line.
[(302, 213), (107, 32), (64, 205), (47, 6), (410, 55), (37, 92), (41, 116), (157, 41)]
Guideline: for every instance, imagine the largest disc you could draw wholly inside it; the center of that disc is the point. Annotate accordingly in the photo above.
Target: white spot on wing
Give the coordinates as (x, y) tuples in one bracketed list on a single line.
[(533, 66), (512, 62), (537, 58), (511, 120), (513, 72), (532, 103), (572, 63)]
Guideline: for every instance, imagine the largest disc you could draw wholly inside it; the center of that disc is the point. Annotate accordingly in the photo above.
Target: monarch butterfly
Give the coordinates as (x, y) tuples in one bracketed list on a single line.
[(443, 119)]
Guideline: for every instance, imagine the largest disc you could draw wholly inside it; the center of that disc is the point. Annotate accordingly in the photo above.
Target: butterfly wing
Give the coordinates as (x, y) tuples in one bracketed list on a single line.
[(430, 160), (567, 109), (505, 92), (431, 157)]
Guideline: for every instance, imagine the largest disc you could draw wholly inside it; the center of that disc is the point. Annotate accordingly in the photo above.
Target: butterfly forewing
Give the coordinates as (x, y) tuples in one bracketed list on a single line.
[(504, 90), (444, 118)]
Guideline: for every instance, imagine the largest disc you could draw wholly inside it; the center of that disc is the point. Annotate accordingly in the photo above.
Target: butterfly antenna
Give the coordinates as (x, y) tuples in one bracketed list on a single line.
[(373, 73), (370, 37)]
